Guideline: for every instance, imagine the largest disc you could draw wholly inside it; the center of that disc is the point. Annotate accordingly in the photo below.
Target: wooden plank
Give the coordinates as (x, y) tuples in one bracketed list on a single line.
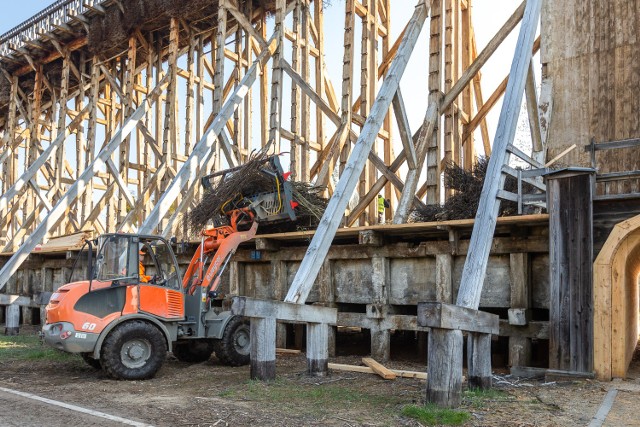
[(367, 370), (379, 369), (319, 246), (251, 307), (448, 316), (476, 263)]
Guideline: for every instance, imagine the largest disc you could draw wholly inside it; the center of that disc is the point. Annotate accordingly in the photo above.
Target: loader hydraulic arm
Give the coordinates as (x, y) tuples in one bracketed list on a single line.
[(217, 246)]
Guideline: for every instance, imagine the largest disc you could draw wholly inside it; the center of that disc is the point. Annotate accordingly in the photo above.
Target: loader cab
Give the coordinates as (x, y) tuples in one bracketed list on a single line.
[(120, 262)]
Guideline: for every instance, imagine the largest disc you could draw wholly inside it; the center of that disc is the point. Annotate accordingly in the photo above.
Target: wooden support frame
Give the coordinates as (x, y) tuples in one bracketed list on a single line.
[(310, 266)]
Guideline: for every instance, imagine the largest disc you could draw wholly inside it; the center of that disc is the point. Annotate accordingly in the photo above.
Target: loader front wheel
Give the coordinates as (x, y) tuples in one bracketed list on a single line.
[(234, 346), (133, 351), (193, 351)]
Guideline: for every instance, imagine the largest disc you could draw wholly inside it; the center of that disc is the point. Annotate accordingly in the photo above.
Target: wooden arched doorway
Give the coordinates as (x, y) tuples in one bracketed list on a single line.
[(616, 300)]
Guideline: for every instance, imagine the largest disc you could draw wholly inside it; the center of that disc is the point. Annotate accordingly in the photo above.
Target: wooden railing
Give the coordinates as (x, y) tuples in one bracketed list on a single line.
[(593, 148), (55, 17)]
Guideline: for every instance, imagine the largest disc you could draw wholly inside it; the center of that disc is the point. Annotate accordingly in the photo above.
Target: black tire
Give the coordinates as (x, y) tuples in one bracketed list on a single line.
[(234, 346), (193, 351), (94, 363), (134, 350)]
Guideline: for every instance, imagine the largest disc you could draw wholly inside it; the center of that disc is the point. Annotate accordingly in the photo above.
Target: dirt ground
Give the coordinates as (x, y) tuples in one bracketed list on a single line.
[(208, 394)]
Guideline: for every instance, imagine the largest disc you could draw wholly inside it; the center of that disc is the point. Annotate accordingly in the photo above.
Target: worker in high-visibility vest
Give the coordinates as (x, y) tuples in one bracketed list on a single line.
[(382, 205)]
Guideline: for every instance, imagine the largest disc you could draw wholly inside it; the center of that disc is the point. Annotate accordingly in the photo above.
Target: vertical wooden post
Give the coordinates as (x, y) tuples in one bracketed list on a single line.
[(519, 347), (295, 155), (264, 92), (444, 368), (12, 325), (435, 86), (380, 337), (570, 208), (276, 78), (263, 348), (318, 17), (479, 360), (444, 278), (317, 349), (170, 120), (305, 101)]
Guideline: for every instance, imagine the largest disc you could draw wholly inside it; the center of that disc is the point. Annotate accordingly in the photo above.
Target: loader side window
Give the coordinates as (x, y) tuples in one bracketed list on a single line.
[(102, 302), (116, 261), (164, 266)]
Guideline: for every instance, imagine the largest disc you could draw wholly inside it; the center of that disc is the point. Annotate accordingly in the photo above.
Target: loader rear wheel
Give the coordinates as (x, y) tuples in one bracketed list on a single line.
[(133, 351), (193, 351), (234, 346), (94, 363)]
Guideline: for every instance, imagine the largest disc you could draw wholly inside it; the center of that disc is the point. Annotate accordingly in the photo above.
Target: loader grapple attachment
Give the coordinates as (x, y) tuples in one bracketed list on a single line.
[(271, 203)]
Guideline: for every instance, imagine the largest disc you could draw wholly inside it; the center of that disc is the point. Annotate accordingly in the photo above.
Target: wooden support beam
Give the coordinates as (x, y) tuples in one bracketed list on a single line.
[(319, 246), (75, 190), (476, 263), (448, 316), (286, 311)]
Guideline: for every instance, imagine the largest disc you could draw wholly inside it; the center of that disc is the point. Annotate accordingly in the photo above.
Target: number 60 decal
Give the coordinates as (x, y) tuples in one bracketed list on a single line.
[(88, 326)]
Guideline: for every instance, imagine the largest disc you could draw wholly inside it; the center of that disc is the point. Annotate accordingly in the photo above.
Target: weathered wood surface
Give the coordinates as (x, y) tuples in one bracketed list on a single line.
[(263, 348), (571, 272), (444, 368), (12, 320), (593, 80), (449, 316), (250, 307), (479, 360), (476, 264)]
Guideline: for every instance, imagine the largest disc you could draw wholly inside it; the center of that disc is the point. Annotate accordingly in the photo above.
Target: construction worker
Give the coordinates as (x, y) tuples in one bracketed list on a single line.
[(141, 270), (382, 205)]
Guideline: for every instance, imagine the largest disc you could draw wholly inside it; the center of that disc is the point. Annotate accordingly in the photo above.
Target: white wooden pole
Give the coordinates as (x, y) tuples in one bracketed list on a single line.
[(475, 266), (330, 221)]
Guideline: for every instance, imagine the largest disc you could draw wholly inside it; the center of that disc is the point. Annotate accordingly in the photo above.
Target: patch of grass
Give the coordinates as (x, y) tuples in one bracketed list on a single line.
[(289, 396), (29, 347), (226, 393), (477, 398), (432, 415)]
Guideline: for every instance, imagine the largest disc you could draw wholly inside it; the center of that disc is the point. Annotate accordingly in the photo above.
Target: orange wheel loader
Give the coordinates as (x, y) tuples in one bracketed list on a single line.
[(129, 313)]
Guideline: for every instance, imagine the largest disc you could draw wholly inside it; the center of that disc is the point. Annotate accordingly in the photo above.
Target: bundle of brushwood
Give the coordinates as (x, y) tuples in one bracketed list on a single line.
[(463, 204), (235, 188)]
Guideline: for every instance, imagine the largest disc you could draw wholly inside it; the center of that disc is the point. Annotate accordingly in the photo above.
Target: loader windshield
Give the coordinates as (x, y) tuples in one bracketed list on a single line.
[(116, 261)]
